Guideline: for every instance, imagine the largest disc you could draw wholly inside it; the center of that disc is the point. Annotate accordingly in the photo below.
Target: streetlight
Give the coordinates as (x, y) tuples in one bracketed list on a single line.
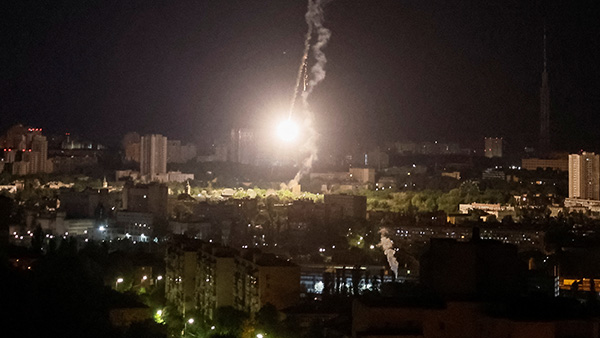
[(119, 280), (144, 278), (260, 335), (189, 321), (159, 278)]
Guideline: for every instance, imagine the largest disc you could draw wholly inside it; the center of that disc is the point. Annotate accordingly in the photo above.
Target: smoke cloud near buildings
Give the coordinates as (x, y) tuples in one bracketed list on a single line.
[(388, 249)]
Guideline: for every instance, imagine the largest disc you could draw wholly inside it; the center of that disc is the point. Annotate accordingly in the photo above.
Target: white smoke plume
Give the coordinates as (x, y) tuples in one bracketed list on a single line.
[(388, 249), (314, 19)]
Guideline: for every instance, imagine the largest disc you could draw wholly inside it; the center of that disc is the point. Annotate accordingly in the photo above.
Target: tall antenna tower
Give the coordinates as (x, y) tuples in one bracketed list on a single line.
[(544, 107)]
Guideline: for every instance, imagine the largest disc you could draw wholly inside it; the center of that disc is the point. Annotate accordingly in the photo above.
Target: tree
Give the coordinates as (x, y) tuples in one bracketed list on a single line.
[(229, 320), (267, 319)]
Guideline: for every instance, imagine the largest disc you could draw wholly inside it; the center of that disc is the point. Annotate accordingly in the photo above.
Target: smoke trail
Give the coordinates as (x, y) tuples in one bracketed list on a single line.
[(314, 19), (388, 249)]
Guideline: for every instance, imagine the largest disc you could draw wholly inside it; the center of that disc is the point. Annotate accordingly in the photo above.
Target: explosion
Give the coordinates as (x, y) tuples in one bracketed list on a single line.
[(287, 130)]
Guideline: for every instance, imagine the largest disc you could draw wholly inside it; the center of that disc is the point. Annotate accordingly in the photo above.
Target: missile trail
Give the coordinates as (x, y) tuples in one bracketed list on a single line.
[(302, 70), (314, 19)]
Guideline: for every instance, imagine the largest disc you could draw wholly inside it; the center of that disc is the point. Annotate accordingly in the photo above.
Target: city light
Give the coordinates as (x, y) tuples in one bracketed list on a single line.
[(159, 278), (191, 321), (287, 130), (260, 335), (144, 278)]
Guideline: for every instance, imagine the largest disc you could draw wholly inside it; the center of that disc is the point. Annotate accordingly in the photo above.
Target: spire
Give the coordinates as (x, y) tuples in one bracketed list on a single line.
[(545, 58), (544, 145)]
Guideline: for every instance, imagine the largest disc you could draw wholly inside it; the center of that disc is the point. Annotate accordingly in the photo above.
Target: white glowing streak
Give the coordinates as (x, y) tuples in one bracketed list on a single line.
[(287, 130), (388, 249)]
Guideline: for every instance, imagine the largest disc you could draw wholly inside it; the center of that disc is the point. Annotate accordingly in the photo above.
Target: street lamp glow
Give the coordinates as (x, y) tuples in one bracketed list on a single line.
[(287, 130), (144, 278), (159, 312), (118, 281), (260, 335), (159, 278), (191, 320)]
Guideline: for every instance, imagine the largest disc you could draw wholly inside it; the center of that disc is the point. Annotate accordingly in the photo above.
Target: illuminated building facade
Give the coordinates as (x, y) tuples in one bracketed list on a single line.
[(584, 176), (204, 276), (153, 156)]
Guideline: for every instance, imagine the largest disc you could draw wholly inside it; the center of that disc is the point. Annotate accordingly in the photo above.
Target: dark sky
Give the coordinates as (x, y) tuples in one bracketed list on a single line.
[(398, 69)]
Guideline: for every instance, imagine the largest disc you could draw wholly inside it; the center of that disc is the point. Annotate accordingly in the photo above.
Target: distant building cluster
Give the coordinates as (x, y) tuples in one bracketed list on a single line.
[(27, 152), (173, 150), (153, 152), (429, 148)]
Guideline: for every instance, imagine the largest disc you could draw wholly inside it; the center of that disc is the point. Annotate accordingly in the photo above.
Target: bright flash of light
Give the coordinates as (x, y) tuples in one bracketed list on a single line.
[(287, 130)]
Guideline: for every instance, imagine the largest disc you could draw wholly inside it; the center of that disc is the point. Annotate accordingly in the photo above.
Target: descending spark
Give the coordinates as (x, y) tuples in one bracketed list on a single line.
[(304, 62)]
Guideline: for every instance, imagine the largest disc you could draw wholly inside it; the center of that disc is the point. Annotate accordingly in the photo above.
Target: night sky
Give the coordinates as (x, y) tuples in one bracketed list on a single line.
[(397, 69)]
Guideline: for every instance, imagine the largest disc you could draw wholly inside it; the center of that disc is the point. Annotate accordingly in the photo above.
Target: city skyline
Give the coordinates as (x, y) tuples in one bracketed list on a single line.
[(300, 168), (396, 70)]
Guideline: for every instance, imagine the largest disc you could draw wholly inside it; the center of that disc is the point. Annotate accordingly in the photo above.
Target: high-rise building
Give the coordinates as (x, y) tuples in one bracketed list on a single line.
[(131, 145), (180, 153), (242, 146), (493, 147), (26, 149), (39, 146), (153, 156), (544, 108), (584, 176)]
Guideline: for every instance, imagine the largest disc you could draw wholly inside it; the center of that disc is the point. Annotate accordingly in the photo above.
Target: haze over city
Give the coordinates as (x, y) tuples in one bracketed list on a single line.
[(396, 70)]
